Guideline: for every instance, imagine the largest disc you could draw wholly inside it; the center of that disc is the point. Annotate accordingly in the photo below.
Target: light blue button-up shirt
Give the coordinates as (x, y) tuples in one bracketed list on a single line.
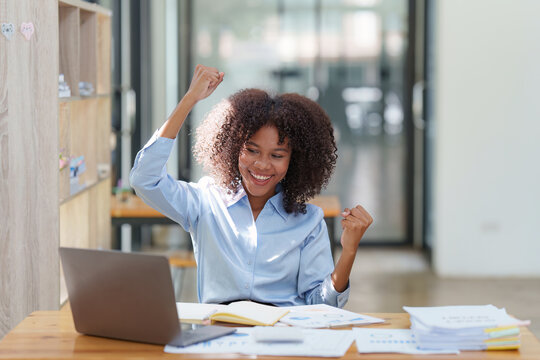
[(280, 258)]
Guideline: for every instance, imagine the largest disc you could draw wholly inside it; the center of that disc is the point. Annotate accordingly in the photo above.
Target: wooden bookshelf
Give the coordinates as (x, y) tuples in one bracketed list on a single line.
[(38, 211), (84, 126)]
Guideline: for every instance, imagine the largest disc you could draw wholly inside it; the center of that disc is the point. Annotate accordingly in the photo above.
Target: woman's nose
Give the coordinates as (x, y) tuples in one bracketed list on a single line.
[(261, 163)]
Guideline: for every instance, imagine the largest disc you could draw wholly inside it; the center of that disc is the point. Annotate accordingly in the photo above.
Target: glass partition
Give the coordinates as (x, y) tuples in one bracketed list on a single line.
[(349, 56)]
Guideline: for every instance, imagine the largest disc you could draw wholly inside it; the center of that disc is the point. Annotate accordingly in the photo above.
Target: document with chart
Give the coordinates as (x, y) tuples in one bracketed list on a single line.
[(325, 316)]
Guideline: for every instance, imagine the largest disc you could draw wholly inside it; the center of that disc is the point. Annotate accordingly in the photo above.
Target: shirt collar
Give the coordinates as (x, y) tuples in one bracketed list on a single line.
[(230, 198), (277, 202)]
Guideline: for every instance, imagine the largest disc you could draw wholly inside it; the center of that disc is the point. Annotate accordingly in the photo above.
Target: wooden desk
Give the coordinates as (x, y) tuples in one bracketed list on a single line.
[(51, 335), (134, 211)]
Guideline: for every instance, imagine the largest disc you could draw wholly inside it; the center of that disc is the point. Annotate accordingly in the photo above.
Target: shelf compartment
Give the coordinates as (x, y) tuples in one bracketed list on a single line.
[(88, 47), (69, 29), (104, 37), (83, 127), (103, 136)]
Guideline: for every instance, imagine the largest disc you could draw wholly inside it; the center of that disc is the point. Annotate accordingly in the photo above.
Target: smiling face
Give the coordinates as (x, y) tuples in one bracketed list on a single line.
[(263, 163)]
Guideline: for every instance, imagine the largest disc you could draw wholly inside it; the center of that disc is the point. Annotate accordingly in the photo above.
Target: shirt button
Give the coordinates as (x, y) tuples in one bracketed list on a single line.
[(249, 262), (246, 286)]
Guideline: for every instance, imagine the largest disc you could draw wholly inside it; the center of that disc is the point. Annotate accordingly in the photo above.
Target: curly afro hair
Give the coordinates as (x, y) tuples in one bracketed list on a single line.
[(232, 122)]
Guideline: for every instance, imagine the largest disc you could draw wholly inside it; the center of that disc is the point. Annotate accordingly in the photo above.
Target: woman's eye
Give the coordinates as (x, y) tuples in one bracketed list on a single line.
[(252, 151), (277, 156)]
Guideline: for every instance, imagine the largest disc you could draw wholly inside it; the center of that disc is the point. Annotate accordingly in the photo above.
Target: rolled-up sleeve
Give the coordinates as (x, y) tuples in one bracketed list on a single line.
[(177, 200), (316, 266)]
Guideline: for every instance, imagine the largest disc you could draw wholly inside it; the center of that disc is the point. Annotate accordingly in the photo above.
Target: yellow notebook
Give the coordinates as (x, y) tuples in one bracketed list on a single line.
[(249, 313)]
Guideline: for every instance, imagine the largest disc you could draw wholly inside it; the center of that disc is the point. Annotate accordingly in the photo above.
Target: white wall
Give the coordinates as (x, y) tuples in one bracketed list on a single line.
[(487, 138)]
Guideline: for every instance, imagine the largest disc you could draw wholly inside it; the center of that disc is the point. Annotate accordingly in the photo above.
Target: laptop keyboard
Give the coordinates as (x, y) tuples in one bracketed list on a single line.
[(204, 333)]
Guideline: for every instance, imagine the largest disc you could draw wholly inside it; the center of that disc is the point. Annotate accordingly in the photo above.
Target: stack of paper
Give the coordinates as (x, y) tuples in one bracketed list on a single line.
[(482, 327)]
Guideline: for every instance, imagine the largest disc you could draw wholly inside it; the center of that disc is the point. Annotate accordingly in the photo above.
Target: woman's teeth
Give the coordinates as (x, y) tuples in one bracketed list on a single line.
[(260, 177)]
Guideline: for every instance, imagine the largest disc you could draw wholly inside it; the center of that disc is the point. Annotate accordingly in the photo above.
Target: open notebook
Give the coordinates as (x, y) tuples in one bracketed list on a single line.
[(240, 312)]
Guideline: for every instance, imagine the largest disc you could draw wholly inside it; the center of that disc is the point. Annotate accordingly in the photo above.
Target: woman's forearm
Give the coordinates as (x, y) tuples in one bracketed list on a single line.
[(355, 223), (342, 271), (174, 123)]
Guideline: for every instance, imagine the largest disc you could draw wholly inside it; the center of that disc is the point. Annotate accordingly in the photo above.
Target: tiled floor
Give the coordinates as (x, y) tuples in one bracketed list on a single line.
[(385, 279)]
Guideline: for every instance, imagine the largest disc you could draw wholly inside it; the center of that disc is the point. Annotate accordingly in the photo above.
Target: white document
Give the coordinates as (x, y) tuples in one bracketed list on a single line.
[(317, 343), (278, 334), (451, 318), (391, 341), (325, 316), (196, 311)]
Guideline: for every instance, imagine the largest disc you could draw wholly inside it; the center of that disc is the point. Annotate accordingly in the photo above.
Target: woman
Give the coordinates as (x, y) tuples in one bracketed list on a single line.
[(254, 236)]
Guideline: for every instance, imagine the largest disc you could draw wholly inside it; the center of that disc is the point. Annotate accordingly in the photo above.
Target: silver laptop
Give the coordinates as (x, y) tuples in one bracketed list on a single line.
[(127, 296)]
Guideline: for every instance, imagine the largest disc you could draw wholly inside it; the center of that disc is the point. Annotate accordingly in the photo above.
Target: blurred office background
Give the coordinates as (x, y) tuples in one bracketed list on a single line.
[(435, 109)]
